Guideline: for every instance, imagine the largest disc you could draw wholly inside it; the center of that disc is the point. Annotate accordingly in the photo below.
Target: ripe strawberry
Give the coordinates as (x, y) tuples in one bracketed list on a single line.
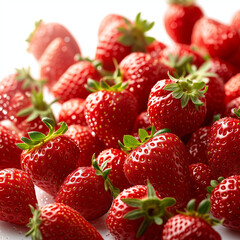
[(232, 107), (138, 213), (192, 224), (45, 33), (88, 143), (155, 48), (142, 121), (197, 145), (222, 147), (16, 193), (225, 200), (180, 18), (55, 60), (236, 20), (72, 83), (72, 112), (9, 152), (119, 41), (162, 158), (214, 38), (110, 112), (49, 159), (232, 88), (58, 221)]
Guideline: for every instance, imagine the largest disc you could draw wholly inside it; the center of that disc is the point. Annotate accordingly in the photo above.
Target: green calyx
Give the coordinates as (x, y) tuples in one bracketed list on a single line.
[(130, 142), (104, 172), (182, 2), (213, 184), (39, 108), (152, 209), (37, 139), (237, 112), (134, 35), (34, 224), (37, 24), (201, 212)]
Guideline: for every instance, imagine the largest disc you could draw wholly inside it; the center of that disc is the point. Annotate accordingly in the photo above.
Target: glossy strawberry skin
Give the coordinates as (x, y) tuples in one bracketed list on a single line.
[(222, 147), (232, 88), (179, 21), (111, 115), (155, 48), (49, 164), (231, 106), (72, 83), (164, 111), (16, 193), (182, 227), (124, 229), (47, 32), (225, 200), (84, 191), (142, 121), (88, 143), (116, 159), (55, 60), (59, 221), (161, 160)]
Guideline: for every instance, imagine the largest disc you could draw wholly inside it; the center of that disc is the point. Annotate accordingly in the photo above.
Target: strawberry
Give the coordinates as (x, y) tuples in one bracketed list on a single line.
[(215, 38), (192, 224), (236, 20), (179, 19), (232, 108), (120, 40), (72, 83), (72, 112), (142, 121), (232, 88), (225, 200), (222, 147), (155, 48), (162, 158), (197, 145), (58, 221), (49, 159), (45, 33), (16, 193), (55, 60), (110, 111), (88, 143), (138, 213), (10, 154)]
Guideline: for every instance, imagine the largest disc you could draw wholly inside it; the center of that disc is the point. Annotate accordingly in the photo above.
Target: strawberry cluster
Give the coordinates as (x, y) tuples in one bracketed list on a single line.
[(147, 133)]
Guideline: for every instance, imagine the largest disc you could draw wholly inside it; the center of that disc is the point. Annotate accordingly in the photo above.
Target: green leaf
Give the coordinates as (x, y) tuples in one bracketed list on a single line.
[(210, 189), (135, 214), (168, 202), (150, 39), (23, 146), (95, 165), (132, 202), (196, 101), (204, 206), (130, 141), (143, 134), (25, 112), (153, 130), (178, 94), (126, 40), (143, 227), (49, 123), (161, 131), (171, 87), (150, 190), (63, 128), (36, 136), (158, 221), (33, 116), (106, 173), (191, 205), (214, 183), (27, 141), (104, 164), (184, 100)]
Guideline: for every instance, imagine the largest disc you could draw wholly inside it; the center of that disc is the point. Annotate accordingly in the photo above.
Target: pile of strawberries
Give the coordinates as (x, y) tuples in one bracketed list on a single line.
[(147, 133)]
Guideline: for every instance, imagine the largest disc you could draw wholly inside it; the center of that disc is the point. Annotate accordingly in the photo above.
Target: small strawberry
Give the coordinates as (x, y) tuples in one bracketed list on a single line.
[(58, 221), (179, 19), (110, 111), (44, 33), (142, 121), (138, 213), (192, 224), (49, 159), (232, 88), (232, 108), (16, 193)]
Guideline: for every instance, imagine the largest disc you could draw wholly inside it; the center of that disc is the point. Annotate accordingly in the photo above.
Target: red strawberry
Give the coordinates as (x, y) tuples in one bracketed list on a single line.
[(44, 33), (197, 145), (9, 152), (88, 143), (49, 159), (58, 221), (215, 38), (222, 147), (162, 158), (232, 107), (180, 18), (155, 48), (232, 88), (118, 41), (236, 20), (16, 193), (72, 83), (192, 224), (110, 112), (55, 60), (72, 112), (138, 213), (142, 121)]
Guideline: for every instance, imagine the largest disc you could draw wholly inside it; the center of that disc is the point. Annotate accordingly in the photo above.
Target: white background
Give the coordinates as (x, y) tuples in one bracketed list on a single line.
[(82, 18)]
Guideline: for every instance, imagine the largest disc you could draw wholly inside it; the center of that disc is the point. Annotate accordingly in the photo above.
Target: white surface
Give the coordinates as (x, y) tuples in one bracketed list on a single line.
[(82, 18)]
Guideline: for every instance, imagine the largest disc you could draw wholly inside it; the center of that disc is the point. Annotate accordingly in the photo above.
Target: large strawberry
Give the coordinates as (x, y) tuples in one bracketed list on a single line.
[(58, 221), (179, 19), (138, 213), (49, 159), (16, 193), (110, 111), (44, 33), (232, 88)]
